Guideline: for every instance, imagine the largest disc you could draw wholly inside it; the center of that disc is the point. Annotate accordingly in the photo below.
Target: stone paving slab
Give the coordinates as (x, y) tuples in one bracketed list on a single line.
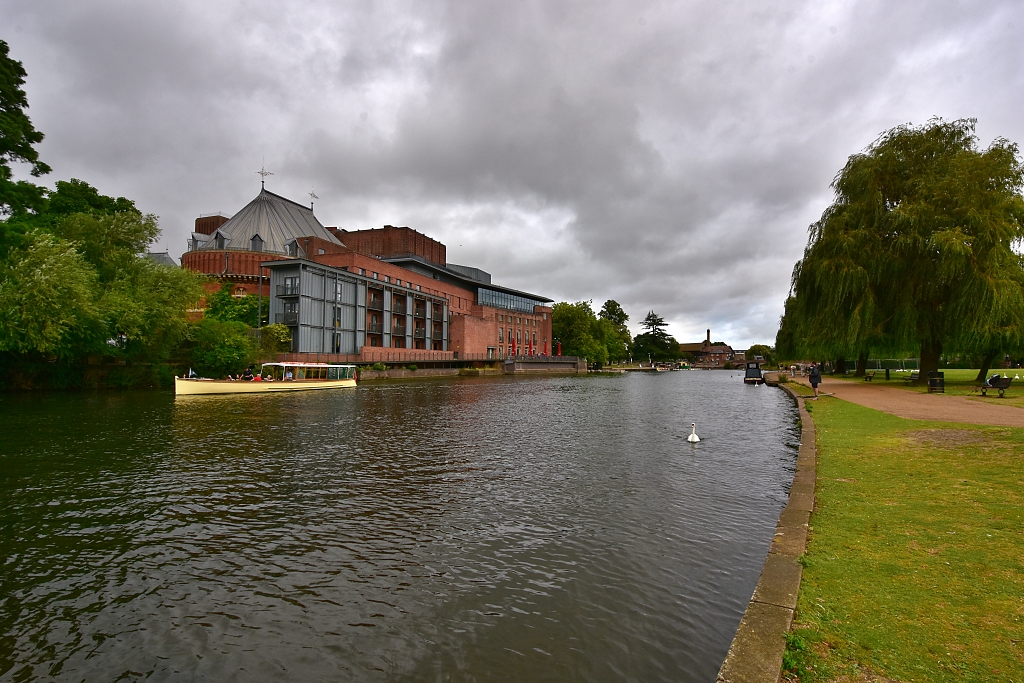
[(780, 582), (802, 501), (791, 533), (756, 652)]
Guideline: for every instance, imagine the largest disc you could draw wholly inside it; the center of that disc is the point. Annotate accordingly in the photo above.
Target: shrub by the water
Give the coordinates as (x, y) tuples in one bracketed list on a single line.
[(221, 348)]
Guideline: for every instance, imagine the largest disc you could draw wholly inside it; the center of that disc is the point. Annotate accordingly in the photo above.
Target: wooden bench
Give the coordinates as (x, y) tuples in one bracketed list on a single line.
[(868, 376), (1000, 384), (914, 376)]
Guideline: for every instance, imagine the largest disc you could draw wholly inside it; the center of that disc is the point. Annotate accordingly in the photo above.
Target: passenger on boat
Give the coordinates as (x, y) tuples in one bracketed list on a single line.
[(257, 378), (230, 378), (288, 374), (247, 376)]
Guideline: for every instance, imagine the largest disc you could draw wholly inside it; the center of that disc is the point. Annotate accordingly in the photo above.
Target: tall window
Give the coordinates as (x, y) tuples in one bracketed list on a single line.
[(256, 243), (501, 334)]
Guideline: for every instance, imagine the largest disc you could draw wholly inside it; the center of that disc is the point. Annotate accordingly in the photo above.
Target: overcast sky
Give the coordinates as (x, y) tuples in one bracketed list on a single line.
[(666, 155)]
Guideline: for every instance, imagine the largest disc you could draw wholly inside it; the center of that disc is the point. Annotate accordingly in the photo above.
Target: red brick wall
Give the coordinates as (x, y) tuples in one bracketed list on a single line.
[(392, 241), (238, 262), (207, 225), (475, 332), (472, 335)]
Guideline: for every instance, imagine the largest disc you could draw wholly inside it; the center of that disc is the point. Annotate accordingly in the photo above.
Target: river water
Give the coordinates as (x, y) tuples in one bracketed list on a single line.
[(491, 529)]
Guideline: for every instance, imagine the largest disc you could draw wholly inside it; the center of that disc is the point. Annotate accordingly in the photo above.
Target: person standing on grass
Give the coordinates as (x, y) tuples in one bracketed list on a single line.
[(814, 375)]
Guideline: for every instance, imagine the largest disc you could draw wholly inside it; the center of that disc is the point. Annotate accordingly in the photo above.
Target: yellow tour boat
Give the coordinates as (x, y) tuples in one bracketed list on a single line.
[(273, 377)]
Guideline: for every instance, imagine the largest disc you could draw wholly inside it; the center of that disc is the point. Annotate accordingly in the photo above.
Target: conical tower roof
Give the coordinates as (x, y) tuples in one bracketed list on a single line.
[(274, 219)]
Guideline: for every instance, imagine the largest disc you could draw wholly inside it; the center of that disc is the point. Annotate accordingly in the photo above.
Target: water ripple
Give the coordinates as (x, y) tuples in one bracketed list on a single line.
[(490, 529)]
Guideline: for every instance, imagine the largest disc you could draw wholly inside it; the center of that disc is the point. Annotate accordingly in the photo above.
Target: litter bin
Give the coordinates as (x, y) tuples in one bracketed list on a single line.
[(887, 374), (936, 382)]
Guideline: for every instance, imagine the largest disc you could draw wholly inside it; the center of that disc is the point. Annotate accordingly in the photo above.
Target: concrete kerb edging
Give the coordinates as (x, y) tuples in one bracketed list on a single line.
[(755, 655)]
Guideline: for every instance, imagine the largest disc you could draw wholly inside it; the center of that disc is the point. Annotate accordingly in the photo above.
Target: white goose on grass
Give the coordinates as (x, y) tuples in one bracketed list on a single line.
[(693, 438)]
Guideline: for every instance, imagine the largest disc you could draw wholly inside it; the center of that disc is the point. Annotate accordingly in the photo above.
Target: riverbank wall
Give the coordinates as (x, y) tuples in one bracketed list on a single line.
[(74, 375), (755, 655)]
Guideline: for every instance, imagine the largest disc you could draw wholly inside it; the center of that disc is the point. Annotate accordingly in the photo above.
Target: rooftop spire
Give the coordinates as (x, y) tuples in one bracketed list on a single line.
[(263, 173)]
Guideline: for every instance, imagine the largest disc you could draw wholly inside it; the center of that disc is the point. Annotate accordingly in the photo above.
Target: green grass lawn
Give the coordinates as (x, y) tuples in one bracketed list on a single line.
[(915, 565), (958, 383)]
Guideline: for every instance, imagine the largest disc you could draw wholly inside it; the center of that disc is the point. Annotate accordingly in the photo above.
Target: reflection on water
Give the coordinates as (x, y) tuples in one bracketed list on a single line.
[(485, 529)]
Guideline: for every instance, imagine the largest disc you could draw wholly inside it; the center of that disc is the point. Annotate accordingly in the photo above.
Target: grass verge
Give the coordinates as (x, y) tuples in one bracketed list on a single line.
[(915, 565)]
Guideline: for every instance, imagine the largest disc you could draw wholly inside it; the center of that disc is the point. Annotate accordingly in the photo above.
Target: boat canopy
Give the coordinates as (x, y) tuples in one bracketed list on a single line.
[(305, 365), (286, 370)]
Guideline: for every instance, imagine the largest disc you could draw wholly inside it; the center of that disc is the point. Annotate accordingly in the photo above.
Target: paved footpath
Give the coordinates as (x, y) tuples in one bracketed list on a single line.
[(915, 406)]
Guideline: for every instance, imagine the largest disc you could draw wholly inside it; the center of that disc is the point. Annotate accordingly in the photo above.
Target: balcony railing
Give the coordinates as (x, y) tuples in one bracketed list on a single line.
[(287, 290), (398, 310), (374, 329), (290, 318), (420, 333), (420, 313), (398, 330), (438, 334), (375, 304)]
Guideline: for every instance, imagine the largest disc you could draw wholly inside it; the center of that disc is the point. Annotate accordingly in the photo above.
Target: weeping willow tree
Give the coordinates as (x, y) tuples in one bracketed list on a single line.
[(919, 252)]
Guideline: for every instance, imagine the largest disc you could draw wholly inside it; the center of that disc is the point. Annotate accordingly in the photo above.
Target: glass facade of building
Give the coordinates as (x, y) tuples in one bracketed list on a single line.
[(511, 302)]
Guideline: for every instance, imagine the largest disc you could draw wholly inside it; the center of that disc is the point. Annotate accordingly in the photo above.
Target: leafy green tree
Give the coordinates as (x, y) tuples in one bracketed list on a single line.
[(613, 313), (78, 196), (18, 138), (762, 350), (222, 305), (221, 348), (276, 338), (47, 300), (655, 343), (574, 325), (111, 242), (617, 339), (917, 251), (656, 347), (144, 308), (655, 325)]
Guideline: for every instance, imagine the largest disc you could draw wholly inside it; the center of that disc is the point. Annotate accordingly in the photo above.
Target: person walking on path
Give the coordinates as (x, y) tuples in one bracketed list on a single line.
[(814, 377)]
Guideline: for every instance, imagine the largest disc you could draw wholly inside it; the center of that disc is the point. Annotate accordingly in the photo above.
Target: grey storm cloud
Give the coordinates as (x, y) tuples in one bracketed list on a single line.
[(667, 155)]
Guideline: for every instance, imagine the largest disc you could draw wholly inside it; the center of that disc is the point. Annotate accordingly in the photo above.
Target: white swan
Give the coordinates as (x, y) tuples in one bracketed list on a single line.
[(693, 438)]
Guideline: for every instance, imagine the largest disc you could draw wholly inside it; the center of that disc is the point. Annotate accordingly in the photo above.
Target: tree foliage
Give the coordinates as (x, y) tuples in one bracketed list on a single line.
[(222, 305), (616, 335), (577, 328), (276, 338), (18, 138), (220, 348), (48, 300), (762, 350), (917, 252), (655, 344)]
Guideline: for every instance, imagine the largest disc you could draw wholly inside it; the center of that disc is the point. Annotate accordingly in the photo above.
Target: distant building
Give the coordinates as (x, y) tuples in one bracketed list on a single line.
[(161, 258), (365, 292), (708, 355)]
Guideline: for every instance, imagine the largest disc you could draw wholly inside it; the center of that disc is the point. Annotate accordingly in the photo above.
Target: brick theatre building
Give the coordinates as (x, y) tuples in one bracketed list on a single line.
[(384, 294)]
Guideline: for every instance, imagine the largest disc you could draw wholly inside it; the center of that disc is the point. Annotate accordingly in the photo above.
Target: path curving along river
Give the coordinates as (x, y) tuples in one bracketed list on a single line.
[(510, 529)]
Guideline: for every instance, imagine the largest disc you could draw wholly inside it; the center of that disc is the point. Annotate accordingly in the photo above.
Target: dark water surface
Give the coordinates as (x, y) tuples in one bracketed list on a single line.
[(537, 529)]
